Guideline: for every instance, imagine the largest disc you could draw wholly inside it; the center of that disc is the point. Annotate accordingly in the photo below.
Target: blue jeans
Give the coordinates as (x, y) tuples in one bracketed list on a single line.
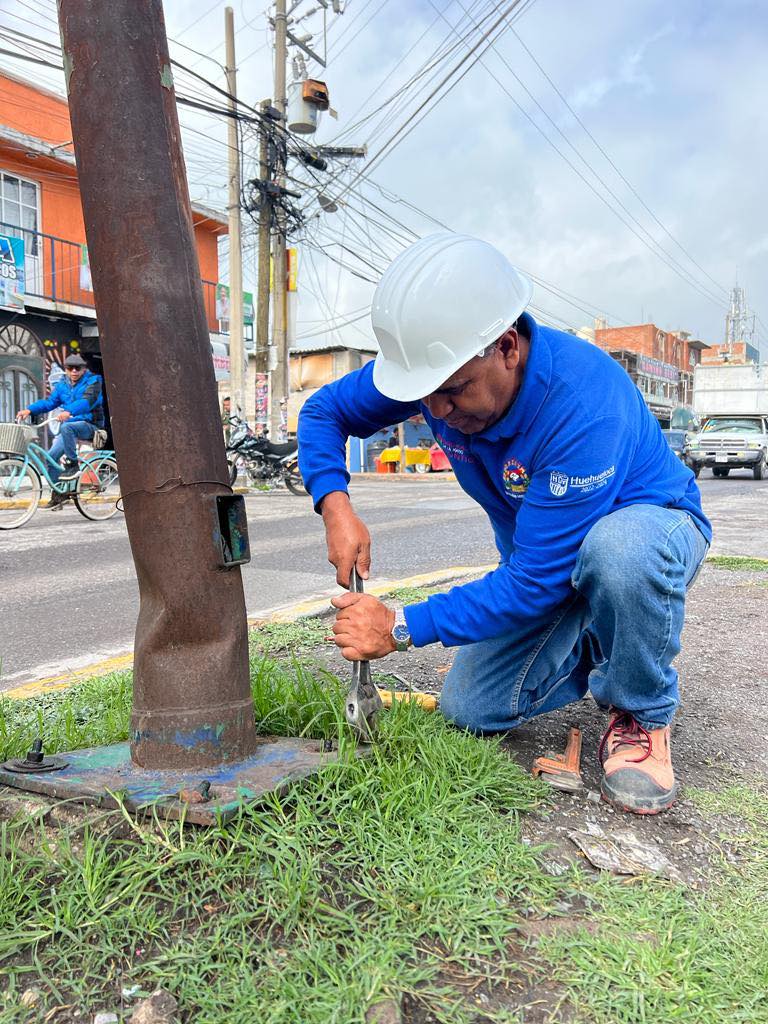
[(65, 444), (616, 636)]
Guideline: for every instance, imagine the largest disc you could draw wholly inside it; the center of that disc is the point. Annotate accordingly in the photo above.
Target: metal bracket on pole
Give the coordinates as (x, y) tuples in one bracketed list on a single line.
[(305, 48)]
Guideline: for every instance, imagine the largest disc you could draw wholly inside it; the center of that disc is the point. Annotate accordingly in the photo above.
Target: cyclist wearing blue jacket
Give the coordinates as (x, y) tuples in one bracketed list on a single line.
[(79, 397), (599, 526)]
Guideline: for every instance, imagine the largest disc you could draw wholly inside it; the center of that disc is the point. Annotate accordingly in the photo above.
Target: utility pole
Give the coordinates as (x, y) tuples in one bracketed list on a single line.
[(192, 704), (262, 290), (236, 347), (279, 310)]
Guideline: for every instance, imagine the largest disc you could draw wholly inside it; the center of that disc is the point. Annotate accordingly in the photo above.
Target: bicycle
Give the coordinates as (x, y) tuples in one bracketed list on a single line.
[(24, 465)]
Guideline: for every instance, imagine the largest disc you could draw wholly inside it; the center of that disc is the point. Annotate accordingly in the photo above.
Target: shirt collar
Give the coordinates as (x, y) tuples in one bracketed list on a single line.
[(536, 381)]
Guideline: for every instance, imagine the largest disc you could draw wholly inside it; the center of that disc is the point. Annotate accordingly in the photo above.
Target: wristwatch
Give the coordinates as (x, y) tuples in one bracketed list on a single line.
[(401, 635)]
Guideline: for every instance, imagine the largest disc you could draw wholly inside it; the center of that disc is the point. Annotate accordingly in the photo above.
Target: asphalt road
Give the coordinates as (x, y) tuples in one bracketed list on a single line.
[(69, 595)]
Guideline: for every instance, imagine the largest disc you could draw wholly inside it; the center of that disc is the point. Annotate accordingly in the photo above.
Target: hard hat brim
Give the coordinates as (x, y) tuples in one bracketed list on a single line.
[(402, 385)]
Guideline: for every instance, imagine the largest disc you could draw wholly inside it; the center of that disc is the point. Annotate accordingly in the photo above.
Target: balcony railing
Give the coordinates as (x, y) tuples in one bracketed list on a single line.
[(52, 271)]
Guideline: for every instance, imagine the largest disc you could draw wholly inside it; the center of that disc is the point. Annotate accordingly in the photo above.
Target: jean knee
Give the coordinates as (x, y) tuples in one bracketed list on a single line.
[(613, 559), (460, 710)]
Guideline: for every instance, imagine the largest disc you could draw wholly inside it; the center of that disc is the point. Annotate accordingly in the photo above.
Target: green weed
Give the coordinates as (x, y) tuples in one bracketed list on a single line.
[(298, 636), (739, 563)]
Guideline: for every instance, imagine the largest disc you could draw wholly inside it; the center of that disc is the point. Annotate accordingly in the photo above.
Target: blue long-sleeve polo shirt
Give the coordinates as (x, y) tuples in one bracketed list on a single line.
[(577, 443)]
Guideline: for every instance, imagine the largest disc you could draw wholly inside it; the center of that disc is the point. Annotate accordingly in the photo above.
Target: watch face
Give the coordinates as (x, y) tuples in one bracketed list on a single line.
[(401, 634)]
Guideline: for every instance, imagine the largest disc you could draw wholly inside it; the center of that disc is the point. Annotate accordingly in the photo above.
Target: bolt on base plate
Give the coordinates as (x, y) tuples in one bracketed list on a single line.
[(206, 796)]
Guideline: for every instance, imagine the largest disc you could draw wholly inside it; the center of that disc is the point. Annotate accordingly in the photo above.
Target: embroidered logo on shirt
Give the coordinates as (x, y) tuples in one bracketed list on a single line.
[(585, 484), (455, 451), (558, 483), (515, 477)]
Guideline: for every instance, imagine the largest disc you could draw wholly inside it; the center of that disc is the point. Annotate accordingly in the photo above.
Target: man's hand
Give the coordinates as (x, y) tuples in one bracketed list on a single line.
[(64, 415), (22, 414), (346, 538), (363, 627)]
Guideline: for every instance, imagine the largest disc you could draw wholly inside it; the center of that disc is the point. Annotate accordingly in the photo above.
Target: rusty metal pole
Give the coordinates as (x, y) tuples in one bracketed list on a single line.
[(192, 704)]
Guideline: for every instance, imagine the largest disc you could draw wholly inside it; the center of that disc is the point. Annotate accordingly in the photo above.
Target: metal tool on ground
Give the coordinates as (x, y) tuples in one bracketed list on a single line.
[(363, 700), (562, 771)]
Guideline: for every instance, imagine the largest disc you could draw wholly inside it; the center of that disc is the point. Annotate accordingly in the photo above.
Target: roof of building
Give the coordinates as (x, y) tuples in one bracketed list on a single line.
[(323, 344)]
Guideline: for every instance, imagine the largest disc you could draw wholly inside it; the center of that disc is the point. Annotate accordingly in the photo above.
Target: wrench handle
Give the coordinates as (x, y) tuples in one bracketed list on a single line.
[(355, 582)]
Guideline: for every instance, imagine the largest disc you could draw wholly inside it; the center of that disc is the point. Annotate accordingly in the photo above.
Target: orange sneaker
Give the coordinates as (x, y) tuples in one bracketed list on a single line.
[(637, 766)]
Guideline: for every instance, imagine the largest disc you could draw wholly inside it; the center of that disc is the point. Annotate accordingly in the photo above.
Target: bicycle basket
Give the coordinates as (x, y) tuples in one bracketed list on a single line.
[(15, 438)]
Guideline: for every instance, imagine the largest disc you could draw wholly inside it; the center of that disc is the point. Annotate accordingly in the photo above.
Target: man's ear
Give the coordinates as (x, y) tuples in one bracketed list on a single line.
[(509, 346)]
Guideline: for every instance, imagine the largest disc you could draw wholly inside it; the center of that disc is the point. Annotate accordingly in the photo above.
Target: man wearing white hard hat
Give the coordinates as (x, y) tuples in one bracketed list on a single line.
[(599, 526)]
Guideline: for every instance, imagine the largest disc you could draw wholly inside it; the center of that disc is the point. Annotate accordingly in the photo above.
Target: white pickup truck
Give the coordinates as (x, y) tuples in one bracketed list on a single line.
[(732, 401)]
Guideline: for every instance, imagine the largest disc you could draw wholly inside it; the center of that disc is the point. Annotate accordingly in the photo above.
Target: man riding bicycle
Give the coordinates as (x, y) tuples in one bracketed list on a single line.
[(79, 397)]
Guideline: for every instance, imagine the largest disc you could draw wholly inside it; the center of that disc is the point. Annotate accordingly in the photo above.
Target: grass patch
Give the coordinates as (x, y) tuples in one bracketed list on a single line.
[(657, 953), (412, 595), (367, 881), (740, 563), (298, 636)]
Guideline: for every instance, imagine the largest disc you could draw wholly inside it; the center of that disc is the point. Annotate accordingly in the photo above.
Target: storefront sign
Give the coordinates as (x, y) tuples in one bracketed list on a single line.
[(12, 273), (223, 306), (222, 302), (86, 284), (292, 256), (220, 355), (655, 368), (291, 271)]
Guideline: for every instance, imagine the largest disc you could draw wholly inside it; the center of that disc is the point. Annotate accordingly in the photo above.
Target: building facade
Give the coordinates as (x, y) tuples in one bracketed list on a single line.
[(47, 308), (661, 363)]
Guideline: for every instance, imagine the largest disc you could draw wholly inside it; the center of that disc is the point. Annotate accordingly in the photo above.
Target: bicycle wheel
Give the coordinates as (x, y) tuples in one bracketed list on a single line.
[(293, 480), (98, 488), (20, 489)]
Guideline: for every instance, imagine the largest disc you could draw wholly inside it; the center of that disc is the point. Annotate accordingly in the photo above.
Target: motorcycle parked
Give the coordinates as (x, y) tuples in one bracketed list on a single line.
[(265, 464)]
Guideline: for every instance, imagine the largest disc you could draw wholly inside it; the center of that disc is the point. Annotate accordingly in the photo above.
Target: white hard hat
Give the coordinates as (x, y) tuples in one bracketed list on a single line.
[(439, 303)]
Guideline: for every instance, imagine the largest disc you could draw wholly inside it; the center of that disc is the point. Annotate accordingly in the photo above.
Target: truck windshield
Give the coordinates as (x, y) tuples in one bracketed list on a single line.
[(722, 425)]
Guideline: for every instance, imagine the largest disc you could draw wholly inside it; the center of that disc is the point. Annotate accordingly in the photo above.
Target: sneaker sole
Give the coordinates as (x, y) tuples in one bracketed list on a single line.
[(649, 806)]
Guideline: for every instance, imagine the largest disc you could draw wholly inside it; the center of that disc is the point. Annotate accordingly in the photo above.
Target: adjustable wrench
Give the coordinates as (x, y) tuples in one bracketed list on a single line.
[(363, 700)]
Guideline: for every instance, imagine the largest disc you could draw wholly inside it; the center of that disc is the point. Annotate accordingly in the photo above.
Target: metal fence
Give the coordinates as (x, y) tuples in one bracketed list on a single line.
[(55, 269)]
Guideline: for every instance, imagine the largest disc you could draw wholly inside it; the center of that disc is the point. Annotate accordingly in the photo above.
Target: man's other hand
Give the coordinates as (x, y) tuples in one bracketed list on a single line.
[(346, 537), (64, 415), (363, 627)]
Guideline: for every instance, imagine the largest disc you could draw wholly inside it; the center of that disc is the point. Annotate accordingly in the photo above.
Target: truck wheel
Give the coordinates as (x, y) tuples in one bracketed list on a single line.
[(759, 469), (720, 471)]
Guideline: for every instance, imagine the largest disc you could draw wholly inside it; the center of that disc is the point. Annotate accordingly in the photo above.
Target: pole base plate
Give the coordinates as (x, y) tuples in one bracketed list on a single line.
[(101, 775)]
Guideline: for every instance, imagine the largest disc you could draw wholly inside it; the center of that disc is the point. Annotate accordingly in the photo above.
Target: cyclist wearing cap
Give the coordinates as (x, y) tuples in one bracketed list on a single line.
[(78, 396), (599, 526)]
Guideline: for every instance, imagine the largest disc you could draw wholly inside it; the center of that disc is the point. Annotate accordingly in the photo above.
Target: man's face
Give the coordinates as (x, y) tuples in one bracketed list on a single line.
[(481, 391), (74, 373), (225, 405)]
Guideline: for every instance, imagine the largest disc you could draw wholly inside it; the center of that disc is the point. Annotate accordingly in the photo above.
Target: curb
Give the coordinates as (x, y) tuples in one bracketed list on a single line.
[(312, 608), (446, 476)]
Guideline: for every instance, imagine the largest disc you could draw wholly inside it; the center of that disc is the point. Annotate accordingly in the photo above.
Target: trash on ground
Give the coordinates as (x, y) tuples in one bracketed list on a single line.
[(159, 1008), (622, 852)]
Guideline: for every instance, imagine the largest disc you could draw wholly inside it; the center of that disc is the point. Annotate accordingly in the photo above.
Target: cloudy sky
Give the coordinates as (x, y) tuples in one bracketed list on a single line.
[(613, 150)]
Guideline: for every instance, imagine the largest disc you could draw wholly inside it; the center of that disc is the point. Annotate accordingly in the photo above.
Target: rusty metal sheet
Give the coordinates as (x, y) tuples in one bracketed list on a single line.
[(96, 774)]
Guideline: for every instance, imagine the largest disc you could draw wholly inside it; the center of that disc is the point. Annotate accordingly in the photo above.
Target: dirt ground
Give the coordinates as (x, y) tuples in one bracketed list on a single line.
[(719, 736)]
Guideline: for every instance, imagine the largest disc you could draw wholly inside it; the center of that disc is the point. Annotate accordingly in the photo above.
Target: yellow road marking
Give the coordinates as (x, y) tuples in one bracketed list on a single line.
[(289, 613)]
